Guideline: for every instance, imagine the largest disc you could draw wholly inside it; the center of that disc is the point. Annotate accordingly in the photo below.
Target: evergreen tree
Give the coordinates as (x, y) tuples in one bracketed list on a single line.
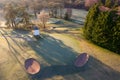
[(116, 36), (103, 28), (90, 21), (108, 3)]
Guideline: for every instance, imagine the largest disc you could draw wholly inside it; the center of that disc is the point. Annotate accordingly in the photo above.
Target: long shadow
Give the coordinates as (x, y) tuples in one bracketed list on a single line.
[(53, 50), (13, 39), (93, 70), (67, 31), (70, 26), (58, 31), (62, 57), (54, 70), (20, 31), (77, 21), (14, 52)]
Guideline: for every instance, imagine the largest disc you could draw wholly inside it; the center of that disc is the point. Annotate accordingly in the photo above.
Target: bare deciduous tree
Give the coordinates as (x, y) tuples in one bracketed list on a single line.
[(56, 8), (10, 14), (43, 16), (16, 15), (34, 5)]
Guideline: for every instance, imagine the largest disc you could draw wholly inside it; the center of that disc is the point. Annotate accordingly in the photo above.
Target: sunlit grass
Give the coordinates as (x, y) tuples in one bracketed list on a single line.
[(105, 56)]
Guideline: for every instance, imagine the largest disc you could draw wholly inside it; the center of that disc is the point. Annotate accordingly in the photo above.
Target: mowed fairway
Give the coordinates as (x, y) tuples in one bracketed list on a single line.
[(56, 53)]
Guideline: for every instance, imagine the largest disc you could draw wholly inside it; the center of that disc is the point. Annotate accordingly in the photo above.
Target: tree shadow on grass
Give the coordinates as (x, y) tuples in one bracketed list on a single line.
[(19, 31), (13, 51), (92, 70), (16, 42), (53, 50), (62, 57)]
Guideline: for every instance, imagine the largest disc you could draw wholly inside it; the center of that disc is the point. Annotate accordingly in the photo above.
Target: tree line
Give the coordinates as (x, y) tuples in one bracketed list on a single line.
[(102, 25), (20, 16)]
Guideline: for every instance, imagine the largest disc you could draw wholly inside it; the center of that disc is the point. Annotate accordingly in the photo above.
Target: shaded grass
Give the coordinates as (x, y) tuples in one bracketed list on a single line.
[(61, 57)]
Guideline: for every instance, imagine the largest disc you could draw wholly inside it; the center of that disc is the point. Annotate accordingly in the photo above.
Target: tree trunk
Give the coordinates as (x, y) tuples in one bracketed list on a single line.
[(61, 12), (55, 12), (35, 14), (52, 13), (15, 25), (44, 25)]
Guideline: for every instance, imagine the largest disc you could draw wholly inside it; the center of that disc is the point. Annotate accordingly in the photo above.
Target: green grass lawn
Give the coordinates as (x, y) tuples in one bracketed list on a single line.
[(56, 52)]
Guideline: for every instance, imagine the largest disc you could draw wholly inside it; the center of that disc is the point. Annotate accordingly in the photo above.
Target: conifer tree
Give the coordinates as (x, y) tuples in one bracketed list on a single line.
[(103, 28), (116, 36), (108, 3), (90, 20)]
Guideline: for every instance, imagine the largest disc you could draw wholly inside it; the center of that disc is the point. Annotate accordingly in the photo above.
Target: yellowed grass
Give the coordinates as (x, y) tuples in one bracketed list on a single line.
[(10, 68), (105, 56)]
